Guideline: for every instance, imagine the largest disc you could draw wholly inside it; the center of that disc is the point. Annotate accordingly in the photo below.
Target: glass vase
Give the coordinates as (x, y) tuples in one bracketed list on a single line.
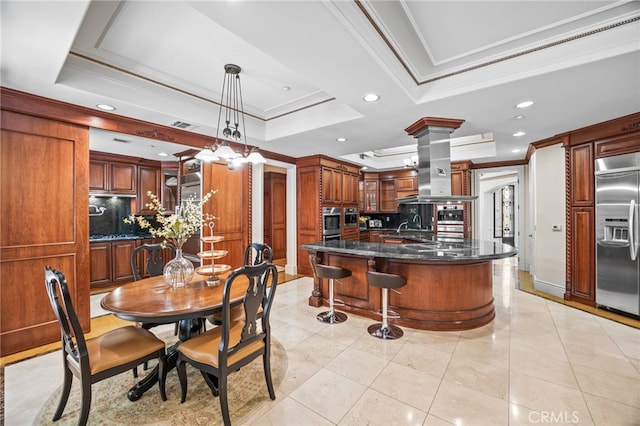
[(178, 271)]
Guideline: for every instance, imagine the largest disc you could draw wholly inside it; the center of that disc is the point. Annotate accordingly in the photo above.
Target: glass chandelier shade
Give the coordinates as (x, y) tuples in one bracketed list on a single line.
[(232, 109)]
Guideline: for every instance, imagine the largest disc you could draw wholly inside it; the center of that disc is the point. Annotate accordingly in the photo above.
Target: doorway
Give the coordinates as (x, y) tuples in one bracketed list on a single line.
[(275, 209)]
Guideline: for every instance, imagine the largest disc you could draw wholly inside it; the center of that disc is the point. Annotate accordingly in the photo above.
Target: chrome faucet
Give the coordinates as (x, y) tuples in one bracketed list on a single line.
[(417, 218), (405, 224)]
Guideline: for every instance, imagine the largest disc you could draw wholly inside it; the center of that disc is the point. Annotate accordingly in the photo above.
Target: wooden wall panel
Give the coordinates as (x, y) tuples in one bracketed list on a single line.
[(44, 192), (231, 205)]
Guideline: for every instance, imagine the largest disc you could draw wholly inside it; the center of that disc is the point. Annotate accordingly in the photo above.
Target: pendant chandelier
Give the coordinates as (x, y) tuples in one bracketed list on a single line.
[(232, 108)]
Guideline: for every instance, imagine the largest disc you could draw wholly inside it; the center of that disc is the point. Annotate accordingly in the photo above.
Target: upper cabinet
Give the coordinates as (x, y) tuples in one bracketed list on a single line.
[(148, 181), (108, 177), (461, 178), (339, 183)]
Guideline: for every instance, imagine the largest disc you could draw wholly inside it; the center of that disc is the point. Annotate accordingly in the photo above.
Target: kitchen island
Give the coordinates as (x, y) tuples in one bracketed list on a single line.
[(449, 281)]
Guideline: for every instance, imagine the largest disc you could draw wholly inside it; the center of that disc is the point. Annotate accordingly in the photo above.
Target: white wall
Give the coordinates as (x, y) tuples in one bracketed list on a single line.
[(548, 207)]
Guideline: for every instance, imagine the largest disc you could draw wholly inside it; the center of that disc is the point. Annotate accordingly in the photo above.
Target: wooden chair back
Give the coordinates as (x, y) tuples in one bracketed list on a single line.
[(154, 263), (263, 253)]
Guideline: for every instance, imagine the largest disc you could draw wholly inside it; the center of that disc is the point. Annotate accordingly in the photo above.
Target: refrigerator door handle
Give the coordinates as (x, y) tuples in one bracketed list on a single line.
[(633, 249)]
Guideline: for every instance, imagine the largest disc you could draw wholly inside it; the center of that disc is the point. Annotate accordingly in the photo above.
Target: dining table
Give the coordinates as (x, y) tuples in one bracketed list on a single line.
[(151, 301)]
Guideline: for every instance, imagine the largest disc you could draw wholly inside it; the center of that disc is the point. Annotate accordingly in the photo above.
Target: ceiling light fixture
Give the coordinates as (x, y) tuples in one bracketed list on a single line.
[(519, 117), (231, 103), (106, 107), (519, 133), (207, 154), (341, 139), (525, 104), (371, 97)]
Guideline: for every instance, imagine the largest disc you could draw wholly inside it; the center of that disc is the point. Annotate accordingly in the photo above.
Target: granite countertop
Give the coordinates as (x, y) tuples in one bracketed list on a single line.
[(101, 238), (431, 248)]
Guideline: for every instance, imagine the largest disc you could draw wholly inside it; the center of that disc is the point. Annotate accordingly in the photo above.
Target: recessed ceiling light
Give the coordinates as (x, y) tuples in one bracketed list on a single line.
[(163, 154), (371, 97), (515, 150), (106, 107), (519, 133), (286, 88), (519, 117), (341, 139), (364, 168), (525, 104)]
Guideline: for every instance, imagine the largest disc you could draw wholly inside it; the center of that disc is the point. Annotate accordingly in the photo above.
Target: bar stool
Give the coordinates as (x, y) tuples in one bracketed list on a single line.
[(384, 281), (331, 273)]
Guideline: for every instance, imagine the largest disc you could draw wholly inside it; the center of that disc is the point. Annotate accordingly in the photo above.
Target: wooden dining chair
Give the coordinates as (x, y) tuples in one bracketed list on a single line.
[(254, 254), (234, 344), (263, 253), (153, 265), (96, 359)]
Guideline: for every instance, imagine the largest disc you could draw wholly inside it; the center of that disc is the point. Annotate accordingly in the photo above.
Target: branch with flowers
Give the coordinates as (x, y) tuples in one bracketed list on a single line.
[(175, 228)]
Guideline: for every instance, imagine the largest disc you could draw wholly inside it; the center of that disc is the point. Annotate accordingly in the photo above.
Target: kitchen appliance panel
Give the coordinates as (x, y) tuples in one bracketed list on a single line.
[(617, 262), (350, 216), (331, 221)]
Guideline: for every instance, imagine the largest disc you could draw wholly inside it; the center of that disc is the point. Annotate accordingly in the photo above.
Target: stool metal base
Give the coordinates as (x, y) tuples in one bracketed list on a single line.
[(390, 332), (332, 317)]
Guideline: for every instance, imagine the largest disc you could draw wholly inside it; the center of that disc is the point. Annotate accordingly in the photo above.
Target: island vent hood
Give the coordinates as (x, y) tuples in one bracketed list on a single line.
[(434, 161)]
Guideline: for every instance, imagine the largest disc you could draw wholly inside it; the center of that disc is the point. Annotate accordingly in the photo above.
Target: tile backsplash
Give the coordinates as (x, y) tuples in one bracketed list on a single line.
[(110, 220)]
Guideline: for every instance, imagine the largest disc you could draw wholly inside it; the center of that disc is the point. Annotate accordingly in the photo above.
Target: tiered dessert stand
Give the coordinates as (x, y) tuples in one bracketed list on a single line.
[(211, 270)]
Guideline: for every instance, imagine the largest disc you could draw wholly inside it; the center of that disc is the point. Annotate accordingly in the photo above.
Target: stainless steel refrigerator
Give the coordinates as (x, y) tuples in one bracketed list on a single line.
[(617, 260)]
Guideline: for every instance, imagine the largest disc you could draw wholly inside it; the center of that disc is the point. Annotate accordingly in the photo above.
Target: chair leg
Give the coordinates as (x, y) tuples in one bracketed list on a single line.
[(224, 403), (135, 372), (211, 381), (66, 389), (162, 374), (266, 362), (182, 375), (86, 402)]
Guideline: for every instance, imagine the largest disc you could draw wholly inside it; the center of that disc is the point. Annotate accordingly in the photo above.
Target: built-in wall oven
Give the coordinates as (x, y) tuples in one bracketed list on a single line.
[(350, 217), (331, 223), (450, 220)]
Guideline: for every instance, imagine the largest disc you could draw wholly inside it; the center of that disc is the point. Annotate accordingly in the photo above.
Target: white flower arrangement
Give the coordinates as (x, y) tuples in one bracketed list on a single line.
[(175, 228)]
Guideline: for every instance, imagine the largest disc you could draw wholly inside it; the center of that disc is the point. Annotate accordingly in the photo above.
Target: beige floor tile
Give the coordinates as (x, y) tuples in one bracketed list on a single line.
[(345, 333), (408, 385), (357, 365), (318, 350), (383, 348), (599, 360), (606, 412), (460, 405), (442, 341), (484, 351), (435, 421), (480, 376), (289, 335), (328, 394), (376, 409), (288, 412), (423, 359), (299, 369), (523, 416), (544, 396), (607, 385), (534, 365)]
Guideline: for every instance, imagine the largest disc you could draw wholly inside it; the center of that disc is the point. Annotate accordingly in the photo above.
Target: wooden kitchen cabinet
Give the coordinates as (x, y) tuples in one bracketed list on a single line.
[(370, 193), (350, 188), (582, 181), (331, 186), (388, 196), (110, 262), (109, 176), (149, 180)]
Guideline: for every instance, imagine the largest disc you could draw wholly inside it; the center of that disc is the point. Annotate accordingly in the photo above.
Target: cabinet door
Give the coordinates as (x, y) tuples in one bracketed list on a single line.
[(122, 178), (148, 181), (583, 253), (169, 188), (331, 185), (582, 180), (98, 176), (349, 188), (100, 261), (457, 183), (388, 196), (121, 260), (407, 184), (370, 195)]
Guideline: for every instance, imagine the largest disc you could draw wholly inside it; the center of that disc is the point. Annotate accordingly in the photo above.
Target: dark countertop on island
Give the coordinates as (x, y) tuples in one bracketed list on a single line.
[(430, 248)]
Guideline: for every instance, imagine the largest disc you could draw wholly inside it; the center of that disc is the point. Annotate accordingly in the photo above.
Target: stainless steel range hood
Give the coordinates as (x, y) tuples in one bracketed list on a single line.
[(434, 161)]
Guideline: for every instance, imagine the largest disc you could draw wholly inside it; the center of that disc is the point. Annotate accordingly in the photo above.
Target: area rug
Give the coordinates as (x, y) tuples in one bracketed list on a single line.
[(110, 406)]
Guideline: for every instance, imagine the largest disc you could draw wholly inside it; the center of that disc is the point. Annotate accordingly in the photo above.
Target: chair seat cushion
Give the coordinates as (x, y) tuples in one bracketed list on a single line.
[(204, 348), (120, 346), (236, 314)]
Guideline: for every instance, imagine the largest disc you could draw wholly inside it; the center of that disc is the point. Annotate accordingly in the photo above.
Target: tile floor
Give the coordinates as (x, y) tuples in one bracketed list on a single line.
[(539, 362)]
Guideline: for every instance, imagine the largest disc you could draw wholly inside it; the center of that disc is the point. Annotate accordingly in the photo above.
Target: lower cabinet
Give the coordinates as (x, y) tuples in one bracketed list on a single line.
[(111, 262)]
